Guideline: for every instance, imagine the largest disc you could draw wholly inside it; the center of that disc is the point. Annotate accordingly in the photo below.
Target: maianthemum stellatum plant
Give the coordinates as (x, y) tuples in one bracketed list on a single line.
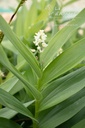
[(52, 96)]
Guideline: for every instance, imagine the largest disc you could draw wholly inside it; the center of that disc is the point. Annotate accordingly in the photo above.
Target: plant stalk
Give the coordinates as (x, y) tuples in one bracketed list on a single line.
[(37, 102), (35, 124)]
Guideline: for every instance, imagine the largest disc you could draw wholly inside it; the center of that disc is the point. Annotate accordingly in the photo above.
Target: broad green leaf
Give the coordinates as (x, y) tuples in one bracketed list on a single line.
[(24, 51), (60, 90), (74, 120), (5, 123), (11, 102), (12, 85), (9, 113), (8, 45), (20, 21), (31, 15), (62, 112), (4, 60), (17, 87), (20, 67), (9, 84), (60, 38), (66, 61), (80, 124)]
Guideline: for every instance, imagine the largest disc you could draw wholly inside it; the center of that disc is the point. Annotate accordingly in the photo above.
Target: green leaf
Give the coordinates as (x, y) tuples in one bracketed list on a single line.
[(74, 120), (4, 60), (9, 84), (46, 12), (20, 21), (60, 38), (34, 29), (21, 66), (5, 123), (62, 112), (80, 124), (66, 61), (60, 90), (12, 85), (31, 15), (9, 113), (24, 51), (8, 45), (11, 102)]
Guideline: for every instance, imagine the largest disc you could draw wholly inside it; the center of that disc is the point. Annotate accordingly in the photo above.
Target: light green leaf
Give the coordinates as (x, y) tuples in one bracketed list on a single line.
[(8, 45), (4, 60), (12, 85), (31, 15), (66, 61), (60, 39), (34, 29), (46, 12), (7, 113), (20, 21), (62, 112), (11, 102), (24, 51), (63, 88), (20, 67), (5, 123), (9, 84)]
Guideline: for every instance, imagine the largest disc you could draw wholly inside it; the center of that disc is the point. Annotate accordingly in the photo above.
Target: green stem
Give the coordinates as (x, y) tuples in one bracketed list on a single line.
[(35, 124), (37, 102)]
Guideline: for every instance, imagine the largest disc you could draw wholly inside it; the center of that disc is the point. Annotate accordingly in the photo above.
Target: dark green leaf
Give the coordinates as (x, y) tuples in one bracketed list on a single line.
[(5, 123)]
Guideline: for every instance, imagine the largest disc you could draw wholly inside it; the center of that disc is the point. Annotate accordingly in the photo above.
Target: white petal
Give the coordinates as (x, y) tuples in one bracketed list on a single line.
[(44, 44)]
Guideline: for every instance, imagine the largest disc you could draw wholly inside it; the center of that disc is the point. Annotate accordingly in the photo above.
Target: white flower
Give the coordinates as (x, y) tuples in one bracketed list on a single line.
[(38, 48), (40, 38), (33, 50), (44, 45), (1, 74), (59, 51)]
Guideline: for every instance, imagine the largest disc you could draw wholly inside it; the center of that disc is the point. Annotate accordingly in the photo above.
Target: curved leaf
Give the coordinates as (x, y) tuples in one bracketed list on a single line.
[(9, 84), (63, 88), (11, 102), (60, 39), (80, 124), (4, 60), (62, 112), (66, 61), (9, 113), (25, 52), (5, 123)]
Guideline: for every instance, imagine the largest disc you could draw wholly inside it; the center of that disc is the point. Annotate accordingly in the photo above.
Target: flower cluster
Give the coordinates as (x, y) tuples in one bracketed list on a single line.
[(40, 38)]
